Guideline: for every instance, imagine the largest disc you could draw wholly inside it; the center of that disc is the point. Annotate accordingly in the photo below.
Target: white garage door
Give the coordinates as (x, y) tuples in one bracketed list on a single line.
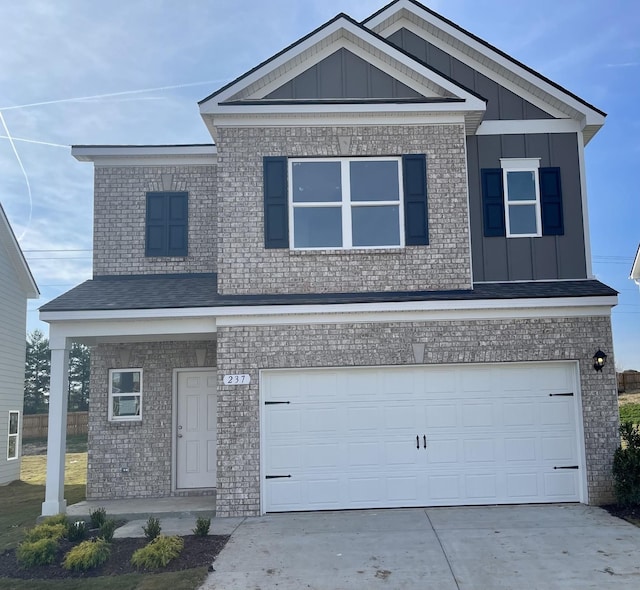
[(420, 436)]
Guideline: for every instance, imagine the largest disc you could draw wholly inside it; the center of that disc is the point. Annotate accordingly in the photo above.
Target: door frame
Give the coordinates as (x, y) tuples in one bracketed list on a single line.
[(174, 421), (583, 493)]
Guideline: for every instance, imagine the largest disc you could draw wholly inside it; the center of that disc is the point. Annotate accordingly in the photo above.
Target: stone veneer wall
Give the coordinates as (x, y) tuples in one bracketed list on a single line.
[(142, 447), (248, 349), (119, 218), (245, 266)]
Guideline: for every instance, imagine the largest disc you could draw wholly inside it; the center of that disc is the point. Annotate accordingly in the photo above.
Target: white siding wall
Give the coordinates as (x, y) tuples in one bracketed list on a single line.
[(13, 306)]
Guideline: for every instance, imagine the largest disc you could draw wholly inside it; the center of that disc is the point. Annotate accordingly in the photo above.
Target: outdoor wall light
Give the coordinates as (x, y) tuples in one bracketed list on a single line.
[(599, 360)]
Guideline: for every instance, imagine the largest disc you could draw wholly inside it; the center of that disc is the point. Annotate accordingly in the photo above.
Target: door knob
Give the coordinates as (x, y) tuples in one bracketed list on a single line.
[(179, 436)]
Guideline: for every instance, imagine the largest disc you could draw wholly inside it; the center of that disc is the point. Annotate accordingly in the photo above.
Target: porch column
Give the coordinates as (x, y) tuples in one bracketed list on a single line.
[(54, 502)]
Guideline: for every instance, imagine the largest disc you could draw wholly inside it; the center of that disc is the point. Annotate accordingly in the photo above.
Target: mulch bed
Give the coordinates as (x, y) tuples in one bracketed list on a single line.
[(197, 552), (630, 513)]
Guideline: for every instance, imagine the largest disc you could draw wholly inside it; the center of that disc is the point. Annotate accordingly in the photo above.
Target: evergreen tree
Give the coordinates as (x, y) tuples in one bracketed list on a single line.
[(37, 371), (79, 373)]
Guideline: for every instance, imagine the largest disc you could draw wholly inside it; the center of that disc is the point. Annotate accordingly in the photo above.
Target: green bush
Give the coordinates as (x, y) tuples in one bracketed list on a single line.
[(158, 553), (77, 531), (202, 526), (626, 466), (97, 517), (57, 519), (34, 553), (46, 531), (153, 528), (87, 555), (630, 413), (107, 529)]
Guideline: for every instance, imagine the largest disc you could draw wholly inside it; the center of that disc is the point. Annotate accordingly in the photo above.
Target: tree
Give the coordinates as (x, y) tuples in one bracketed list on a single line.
[(79, 373), (37, 371)]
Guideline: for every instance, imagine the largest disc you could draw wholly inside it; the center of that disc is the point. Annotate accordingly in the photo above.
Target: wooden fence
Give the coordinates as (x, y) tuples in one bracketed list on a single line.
[(37, 425), (628, 381)]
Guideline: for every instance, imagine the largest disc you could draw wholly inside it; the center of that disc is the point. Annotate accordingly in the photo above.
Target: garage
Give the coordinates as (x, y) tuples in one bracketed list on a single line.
[(375, 437)]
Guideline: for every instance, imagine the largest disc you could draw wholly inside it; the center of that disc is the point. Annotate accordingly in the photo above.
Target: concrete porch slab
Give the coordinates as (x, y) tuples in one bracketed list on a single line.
[(174, 507)]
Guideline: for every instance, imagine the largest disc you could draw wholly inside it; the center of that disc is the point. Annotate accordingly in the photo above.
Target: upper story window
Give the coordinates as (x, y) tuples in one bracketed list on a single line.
[(346, 203), (167, 224), (522, 200), (522, 197), (125, 395), (14, 435)]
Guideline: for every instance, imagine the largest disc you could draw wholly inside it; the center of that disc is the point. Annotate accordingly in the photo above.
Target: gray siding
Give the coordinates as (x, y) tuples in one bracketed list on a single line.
[(518, 259), (343, 75), (13, 309), (502, 103), (119, 219)]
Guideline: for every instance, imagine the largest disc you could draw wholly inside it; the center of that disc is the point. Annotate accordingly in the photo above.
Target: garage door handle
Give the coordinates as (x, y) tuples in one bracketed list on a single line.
[(417, 442), (424, 438)]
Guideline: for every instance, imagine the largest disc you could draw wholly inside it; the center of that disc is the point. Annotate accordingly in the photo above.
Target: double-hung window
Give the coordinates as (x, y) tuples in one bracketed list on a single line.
[(343, 203), (522, 197), (125, 395), (14, 435)]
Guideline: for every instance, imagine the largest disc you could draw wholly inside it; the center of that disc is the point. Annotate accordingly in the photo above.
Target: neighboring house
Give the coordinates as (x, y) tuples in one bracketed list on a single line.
[(16, 286), (635, 269), (374, 290)]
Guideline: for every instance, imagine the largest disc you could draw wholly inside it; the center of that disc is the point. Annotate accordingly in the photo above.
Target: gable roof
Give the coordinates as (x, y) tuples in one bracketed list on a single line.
[(635, 269), (10, 245), (434, 92), (505, 69)]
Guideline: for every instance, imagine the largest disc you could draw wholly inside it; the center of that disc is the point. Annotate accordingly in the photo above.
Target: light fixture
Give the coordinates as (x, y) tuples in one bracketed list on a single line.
[(599, 360)]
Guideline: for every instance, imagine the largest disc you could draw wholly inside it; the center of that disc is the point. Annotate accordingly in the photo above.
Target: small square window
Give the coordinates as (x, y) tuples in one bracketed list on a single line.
[(125, 395)]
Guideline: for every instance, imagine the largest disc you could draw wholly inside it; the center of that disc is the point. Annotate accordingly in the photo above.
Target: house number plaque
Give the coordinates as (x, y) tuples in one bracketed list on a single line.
[(243, 379)]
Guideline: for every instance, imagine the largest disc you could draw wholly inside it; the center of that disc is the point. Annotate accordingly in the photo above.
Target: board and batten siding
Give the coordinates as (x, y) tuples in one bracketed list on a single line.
[(524, 259), (13, 308)]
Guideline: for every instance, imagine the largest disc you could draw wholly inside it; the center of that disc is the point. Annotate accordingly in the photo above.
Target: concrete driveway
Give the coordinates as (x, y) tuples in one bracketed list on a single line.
[(484, 548)]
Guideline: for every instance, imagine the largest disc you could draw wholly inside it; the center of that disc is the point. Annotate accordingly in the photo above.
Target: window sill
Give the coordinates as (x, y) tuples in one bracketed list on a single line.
[(347, 252)]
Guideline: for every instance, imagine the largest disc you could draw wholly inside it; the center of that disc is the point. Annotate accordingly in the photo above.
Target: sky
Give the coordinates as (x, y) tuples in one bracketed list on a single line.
[(74, 72)]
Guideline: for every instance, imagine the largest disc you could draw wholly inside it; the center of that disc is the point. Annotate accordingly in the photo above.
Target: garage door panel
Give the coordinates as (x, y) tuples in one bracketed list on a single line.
[(348, 439)]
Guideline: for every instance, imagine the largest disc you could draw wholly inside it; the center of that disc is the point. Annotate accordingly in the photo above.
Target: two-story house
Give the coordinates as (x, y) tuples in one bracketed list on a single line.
[(373, 289), (16, 287)]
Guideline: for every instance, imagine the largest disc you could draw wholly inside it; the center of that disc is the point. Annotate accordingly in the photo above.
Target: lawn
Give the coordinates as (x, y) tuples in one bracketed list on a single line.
[(629, 404), (20, 505)]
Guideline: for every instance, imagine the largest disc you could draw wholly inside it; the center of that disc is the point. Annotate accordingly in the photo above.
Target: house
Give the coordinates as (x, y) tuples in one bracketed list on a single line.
[(16, 286), (374, 289), (635, 269)]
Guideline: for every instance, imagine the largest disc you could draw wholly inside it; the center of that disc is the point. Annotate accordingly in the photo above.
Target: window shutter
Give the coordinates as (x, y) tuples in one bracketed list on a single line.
[(551, 202), (276, 205), (177, 224), (493, 202), (156, 222), (414, 171)]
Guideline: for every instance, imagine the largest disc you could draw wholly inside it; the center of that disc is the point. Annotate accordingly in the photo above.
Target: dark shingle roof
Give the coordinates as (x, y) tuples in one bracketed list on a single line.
[(201, 290)]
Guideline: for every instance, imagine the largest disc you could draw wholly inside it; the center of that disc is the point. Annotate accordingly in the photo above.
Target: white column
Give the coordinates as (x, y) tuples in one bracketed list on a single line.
[(54, 502)]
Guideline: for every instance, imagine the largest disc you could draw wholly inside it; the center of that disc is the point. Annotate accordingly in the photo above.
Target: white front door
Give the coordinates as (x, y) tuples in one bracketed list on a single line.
[(196, 430), (420, 436)]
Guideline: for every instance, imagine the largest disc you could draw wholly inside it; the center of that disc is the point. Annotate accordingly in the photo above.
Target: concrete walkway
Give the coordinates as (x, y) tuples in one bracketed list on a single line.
[(479, 548)]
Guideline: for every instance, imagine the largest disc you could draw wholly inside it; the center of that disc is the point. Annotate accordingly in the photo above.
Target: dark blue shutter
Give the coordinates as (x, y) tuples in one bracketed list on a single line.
[(276, 203), (416, 223), (493, 202), (551, 202), (167, 224)]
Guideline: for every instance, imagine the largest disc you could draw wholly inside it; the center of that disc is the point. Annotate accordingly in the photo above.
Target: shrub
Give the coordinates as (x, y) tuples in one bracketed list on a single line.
[(87, 555), (153, 528), (202, 526), (107, 529), (34, 553), (46, 531), (57, 519), (626, 466), (158, 553), (76, 531), (97, 517)]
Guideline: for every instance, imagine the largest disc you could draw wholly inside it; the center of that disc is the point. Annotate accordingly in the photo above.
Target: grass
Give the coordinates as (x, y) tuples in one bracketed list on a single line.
[(76, 443), (629, 405), (20, 505)]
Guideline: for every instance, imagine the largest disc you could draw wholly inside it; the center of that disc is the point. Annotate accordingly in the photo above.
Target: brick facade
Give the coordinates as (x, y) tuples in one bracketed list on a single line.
[(249, 349), (119, 218), (144, 448), (245, 266)]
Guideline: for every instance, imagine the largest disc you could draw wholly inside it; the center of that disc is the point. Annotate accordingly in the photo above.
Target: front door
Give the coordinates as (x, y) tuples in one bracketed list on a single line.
[(196, 430)]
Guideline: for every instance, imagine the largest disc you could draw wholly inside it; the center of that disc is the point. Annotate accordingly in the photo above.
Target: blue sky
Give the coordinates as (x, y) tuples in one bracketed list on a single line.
[(131, 71)]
